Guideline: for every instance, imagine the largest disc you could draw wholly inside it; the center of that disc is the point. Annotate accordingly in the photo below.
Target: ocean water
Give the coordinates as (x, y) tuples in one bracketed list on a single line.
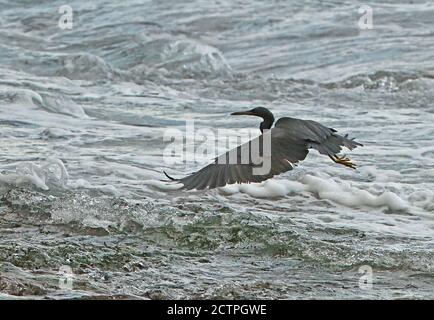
[(83, 113)]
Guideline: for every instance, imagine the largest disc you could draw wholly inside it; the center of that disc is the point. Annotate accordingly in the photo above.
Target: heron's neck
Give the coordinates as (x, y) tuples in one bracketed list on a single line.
[(266, 124)]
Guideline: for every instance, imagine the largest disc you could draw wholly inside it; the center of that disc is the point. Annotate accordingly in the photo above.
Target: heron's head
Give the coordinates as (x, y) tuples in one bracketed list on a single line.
[(262, 112), (259, 112)]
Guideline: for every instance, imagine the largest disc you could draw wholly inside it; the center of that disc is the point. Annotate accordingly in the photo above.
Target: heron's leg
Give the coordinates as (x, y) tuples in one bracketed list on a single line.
[(343, 161)]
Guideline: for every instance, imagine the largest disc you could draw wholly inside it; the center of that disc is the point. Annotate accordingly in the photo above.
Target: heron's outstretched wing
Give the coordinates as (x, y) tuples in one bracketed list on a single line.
[(285, 152), (290, 140), (325, 140)]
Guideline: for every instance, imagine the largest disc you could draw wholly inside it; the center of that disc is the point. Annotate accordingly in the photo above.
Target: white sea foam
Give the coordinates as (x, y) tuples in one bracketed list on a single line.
[(29, 173), (340, 192), (162, 185), (63, 105), (84, 184)]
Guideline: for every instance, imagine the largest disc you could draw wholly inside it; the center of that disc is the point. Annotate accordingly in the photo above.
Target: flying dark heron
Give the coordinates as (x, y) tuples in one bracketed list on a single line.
[(291, 140)]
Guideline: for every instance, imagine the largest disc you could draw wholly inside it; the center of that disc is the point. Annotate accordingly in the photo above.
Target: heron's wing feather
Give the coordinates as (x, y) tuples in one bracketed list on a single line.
[(285, 151), (319, 137)]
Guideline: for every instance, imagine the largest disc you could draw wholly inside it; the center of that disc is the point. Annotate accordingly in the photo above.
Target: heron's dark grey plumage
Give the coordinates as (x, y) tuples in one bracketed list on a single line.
[(291, 140)]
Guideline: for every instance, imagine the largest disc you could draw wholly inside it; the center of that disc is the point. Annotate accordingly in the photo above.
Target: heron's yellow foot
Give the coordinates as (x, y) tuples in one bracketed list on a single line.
[(344, 161)]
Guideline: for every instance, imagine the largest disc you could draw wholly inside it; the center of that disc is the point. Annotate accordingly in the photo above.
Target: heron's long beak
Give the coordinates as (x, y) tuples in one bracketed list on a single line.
[(243, 113)]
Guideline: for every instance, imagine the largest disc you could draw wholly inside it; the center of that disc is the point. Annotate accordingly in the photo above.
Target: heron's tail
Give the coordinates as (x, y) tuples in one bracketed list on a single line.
[(350, 143), (333, 144)]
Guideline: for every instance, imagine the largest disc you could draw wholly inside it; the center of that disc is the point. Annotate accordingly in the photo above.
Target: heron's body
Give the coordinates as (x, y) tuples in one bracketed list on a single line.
[(291, 140)]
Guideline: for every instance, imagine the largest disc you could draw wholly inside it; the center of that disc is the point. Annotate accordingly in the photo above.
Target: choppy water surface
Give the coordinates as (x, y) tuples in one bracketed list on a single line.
[(83, 113)]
